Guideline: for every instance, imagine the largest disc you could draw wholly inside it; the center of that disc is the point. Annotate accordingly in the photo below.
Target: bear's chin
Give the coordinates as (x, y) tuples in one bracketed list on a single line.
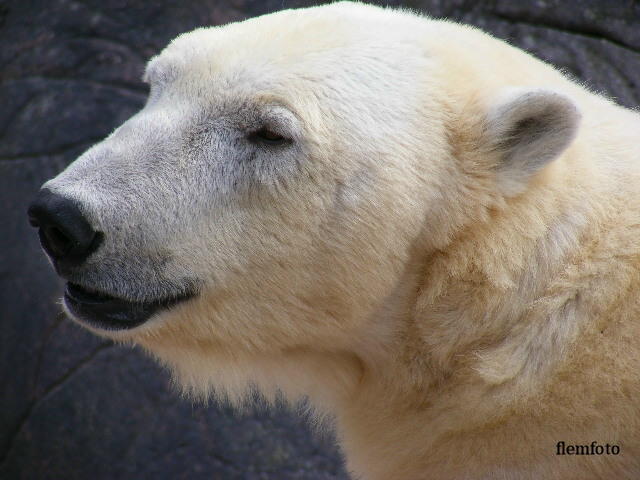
[(104, 312)]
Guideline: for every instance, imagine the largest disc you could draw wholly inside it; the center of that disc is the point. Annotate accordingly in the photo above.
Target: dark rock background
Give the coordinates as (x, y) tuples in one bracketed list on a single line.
[(75, 407)]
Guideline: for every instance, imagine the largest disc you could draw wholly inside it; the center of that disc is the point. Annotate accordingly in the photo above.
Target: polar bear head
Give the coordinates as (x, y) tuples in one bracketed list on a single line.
[(285, 180)]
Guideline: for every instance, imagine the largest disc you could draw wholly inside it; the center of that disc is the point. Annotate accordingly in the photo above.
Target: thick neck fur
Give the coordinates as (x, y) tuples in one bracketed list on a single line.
[(491, 320)]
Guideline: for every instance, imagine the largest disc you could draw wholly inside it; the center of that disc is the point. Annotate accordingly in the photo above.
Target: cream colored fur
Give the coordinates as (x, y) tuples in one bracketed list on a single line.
[(456, 311)]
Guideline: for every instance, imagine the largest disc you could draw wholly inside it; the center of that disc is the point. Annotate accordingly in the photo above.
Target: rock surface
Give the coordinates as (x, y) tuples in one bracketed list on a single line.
[(75, 407)]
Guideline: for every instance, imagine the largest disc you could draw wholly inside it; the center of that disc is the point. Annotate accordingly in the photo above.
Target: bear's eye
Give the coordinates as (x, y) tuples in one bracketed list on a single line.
[(268, 136)]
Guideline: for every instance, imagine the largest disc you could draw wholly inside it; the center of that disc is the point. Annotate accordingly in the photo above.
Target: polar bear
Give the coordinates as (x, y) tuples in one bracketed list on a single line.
[(429, 234)]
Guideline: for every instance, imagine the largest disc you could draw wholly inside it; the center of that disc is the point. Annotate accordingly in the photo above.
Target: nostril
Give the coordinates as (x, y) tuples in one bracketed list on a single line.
[(64, 231), (58, 242)]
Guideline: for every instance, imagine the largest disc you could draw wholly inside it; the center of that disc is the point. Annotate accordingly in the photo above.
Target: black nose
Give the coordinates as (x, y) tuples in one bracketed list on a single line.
[(65, 233)]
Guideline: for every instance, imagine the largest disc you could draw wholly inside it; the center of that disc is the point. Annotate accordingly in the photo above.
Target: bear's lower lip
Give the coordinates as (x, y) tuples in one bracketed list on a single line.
[(106, 312)]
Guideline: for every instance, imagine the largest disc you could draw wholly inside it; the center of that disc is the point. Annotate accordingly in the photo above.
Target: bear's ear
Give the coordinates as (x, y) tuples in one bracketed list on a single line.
[(527, 129)]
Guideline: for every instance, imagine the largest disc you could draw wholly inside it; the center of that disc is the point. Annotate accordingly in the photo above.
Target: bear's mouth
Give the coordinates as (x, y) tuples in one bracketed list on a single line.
[(106, 312)]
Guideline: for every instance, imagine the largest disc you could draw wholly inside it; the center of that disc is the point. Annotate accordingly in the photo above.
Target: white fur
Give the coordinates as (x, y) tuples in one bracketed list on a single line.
[(458, 297)]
